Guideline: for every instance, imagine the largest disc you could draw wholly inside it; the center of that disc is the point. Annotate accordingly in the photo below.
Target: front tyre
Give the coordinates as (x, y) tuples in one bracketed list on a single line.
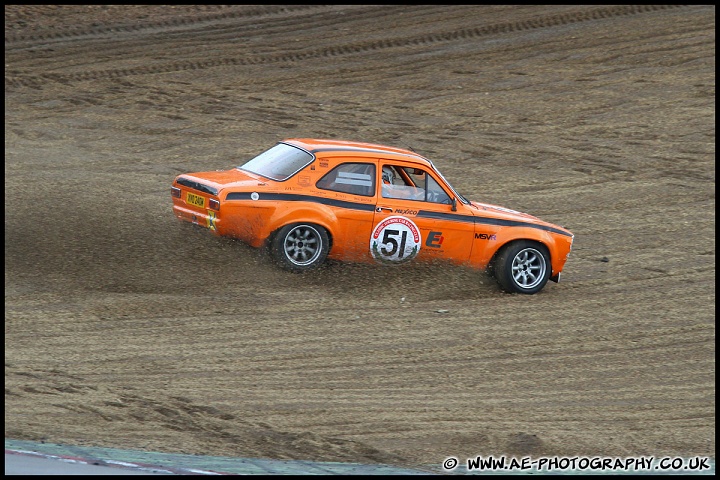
[(522, 267), (300, 247)]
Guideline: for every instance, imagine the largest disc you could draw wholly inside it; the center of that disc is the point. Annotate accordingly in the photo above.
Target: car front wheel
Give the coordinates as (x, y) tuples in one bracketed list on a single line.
[(522, 267), (300, 247)]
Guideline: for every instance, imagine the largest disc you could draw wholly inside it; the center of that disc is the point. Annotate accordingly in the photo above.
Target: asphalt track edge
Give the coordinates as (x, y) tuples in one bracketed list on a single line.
[(183, 464)]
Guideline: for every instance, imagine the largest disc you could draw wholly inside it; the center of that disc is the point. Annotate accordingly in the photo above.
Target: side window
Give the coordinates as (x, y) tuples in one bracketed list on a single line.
[(354, 178), (396, 183), (435, 193), (411, 184)]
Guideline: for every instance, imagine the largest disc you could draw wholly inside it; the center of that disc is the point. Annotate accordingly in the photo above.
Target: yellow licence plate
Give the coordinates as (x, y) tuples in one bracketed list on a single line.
[(196, 200)]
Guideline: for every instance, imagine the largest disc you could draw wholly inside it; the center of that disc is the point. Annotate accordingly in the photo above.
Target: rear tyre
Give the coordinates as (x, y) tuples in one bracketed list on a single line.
[(522, 267), (300, 247)]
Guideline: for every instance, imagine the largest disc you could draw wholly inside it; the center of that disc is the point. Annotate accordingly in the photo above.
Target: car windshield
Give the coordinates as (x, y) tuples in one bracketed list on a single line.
[(459, 195), (279, 162)]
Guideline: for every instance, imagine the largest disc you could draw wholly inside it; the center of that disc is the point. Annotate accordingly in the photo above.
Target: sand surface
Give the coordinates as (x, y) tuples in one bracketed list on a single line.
[(124, 329)]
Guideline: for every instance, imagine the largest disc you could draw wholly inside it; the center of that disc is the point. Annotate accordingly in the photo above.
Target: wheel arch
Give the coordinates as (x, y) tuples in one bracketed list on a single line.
[(298, 220), (491, 264)]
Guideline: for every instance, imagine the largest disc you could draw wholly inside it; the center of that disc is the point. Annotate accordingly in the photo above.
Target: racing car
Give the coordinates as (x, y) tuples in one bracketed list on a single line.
[(310, 200)]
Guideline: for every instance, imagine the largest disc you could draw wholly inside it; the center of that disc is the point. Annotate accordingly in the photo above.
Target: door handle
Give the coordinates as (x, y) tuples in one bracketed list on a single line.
[(383, 209)]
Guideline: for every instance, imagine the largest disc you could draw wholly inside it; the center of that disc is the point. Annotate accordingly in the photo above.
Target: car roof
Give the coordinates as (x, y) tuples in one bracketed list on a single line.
[(326, 146)]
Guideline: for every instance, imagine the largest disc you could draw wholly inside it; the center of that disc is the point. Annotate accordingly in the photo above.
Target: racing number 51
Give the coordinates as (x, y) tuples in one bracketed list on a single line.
[(388, 235)]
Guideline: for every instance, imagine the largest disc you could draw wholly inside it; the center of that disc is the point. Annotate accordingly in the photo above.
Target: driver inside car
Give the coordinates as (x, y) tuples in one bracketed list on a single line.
[(393, 186)]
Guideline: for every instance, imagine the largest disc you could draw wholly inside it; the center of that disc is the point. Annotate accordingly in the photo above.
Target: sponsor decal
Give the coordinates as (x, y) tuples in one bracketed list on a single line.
[(323, 164), (255, 195), (304, 181), (406, 212), (434, 240), (211, 220), (395, 240), (485, 236)]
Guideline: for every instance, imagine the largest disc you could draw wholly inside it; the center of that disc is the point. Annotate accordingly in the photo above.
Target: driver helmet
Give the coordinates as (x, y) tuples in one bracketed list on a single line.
[(388, 175)]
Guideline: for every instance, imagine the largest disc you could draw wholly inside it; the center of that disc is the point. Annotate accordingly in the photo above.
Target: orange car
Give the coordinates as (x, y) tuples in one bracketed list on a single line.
[(309, 200)]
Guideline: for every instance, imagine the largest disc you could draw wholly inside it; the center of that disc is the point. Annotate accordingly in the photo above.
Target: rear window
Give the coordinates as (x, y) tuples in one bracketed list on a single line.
[(279, 162)]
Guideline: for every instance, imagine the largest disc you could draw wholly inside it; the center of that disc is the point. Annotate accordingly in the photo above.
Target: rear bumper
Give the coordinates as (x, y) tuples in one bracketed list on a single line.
[(207, 219)]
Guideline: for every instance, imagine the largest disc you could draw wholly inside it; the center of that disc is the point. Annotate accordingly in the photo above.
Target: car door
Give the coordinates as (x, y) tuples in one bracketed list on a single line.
[(414, 218), (349, 190)]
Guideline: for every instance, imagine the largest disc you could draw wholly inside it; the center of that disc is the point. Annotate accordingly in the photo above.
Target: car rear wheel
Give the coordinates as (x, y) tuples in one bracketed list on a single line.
[(522, 267), (300, 247)]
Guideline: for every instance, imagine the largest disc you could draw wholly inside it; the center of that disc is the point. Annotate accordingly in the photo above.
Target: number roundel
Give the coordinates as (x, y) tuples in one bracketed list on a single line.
[(395, 240)]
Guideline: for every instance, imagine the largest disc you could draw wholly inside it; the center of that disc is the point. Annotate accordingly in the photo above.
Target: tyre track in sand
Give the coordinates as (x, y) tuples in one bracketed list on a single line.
[(17, 80)]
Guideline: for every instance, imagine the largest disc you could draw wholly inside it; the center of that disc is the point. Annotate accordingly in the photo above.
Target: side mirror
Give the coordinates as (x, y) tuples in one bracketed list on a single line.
[(454, 204)]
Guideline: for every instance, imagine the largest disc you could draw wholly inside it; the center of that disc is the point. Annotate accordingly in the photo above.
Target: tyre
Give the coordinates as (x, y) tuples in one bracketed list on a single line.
[(300, 247), (522, 267)]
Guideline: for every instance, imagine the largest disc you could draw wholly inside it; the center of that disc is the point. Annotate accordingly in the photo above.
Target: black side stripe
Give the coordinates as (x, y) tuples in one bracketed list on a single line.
[(290, 197), (489, 221), (455, 217)]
